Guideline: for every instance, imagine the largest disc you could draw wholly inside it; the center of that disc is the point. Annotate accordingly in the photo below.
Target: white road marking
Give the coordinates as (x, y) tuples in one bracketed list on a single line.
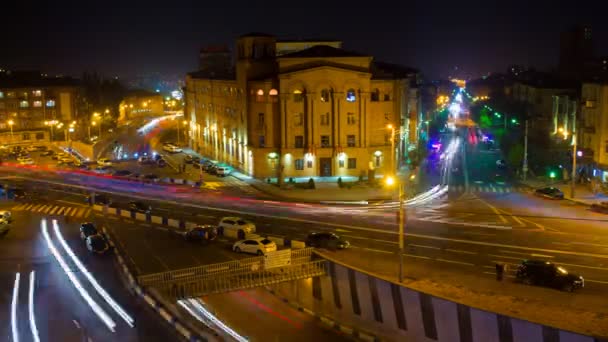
[(542, 255), (459, 251), (582, 266), (376, 250), (503, 256), (589, 244), (596, 281), (72, 203), (455, 262), (423, 246), (417, 256)]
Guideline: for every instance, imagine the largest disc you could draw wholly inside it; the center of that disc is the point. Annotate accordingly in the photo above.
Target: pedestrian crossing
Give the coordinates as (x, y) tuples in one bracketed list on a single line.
[(54, 210), (488, 189), (230, 183)]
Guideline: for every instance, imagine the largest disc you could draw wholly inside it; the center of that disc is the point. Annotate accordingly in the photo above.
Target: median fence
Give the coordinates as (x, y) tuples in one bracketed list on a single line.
[(363, 302), (153, 301)]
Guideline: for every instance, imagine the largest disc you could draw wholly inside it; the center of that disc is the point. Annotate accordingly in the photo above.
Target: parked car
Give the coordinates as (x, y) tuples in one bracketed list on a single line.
[(222, 171), (259, 246), (47, 153), (97, 244), (139, 207), (103, 170), (25, 161), (6, 215), (326, 240), (188, 159), (171, 148), (18, 194), (122, 173), (143, 160), (104, 162), (151, 177), (100, 199), (550, 192), (601, 207), (87, 229), (200, 233), (545, 273), (236, 226)]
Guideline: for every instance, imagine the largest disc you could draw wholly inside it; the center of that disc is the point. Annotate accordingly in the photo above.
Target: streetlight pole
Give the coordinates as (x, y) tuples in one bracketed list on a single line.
[(574, 152), (525, 165), (10, 124), (401, 228), (392, 128)]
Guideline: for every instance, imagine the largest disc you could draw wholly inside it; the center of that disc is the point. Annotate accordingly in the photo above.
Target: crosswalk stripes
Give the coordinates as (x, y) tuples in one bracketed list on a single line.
[(487, 189), (54, 210)]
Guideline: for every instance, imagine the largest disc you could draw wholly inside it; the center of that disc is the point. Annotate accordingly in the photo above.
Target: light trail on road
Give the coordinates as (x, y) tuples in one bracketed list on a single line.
[(198, 311), (14, 303), (32, 313), (100, 290), (98, 310)]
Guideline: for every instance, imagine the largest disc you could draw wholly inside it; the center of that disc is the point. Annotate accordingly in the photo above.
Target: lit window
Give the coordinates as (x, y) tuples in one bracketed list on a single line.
[(351, 96), (50, 103), (24, 104), (325, 141), (350, 140), (10, 94), (37, 103), (1, 95), (299, 164), (273, 92), (298, 96), (260, 92), (325, 95), (260, 95), (37, 93)]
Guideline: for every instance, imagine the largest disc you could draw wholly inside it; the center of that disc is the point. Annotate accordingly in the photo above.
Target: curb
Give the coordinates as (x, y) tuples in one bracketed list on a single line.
[(350, 331), (565, 198), (180, 328)]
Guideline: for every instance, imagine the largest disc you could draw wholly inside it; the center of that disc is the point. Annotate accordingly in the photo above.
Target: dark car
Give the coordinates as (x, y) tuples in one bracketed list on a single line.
[(122, 173), (550, 192), (601, 207), (87, 229), (99, 199), (139, 207), (161, 162), (97, 243), (145, 160), (326, 240), (151, 177), (17, 194), (201, 233), (544, 273), (47, 153)]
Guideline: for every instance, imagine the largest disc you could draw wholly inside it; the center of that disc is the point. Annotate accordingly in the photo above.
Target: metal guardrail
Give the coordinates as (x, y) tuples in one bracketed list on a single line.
[(233, 275), (298, 256)]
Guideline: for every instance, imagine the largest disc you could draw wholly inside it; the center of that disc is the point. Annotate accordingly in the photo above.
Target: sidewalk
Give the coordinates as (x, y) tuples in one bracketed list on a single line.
[(326, 188), (582, 192)]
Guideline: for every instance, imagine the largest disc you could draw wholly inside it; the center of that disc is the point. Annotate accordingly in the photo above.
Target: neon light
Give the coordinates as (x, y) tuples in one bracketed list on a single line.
[(105, 318), (33, 327), (14, 329), (102, 292)]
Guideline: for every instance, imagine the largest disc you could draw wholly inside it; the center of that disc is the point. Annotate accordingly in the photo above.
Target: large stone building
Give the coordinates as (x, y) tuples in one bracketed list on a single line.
[(318, 111), (593, 125), (29, 100), (140, 104)]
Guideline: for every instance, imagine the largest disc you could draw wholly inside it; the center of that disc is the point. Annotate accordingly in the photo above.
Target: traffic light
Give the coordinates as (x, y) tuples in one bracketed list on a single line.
[(552, 174)]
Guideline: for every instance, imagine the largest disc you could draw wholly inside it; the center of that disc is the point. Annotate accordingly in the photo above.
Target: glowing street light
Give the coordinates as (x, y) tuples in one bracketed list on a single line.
[(10, 124)]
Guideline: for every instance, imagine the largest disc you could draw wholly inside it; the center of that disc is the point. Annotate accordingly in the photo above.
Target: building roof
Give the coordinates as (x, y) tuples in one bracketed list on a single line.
[(214, 75), (383, 70), (322, 51), (299, 40), (28, 79), (256, 34), (318, 64)]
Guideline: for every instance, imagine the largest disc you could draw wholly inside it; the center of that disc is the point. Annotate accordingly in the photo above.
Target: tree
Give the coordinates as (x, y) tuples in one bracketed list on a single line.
[(516, 155)]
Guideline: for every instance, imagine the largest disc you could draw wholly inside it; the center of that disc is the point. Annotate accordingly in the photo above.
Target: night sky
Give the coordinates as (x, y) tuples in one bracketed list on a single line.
[(433, 36)]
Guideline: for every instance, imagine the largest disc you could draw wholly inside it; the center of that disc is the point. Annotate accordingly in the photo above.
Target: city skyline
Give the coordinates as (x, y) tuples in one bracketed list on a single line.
[(440, 41)]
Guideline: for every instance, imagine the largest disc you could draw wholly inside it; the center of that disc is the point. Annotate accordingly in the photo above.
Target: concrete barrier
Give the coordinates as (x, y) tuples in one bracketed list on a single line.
[(141, 217), (173, 223), (157, 219), (297, 244), (378, 309), (125, 213)]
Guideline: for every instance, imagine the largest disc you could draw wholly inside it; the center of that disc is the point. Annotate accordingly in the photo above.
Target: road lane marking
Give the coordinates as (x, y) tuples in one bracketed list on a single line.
[(503, 256), (368, 239), (592, 267), (494, 273), (375, 250), (520, 222), (416, 256), (423, 246), (542, 255), (72, 203), (459, 251), (589, 244), (496, 211), (468, 224), (455, 262), (596, 281)]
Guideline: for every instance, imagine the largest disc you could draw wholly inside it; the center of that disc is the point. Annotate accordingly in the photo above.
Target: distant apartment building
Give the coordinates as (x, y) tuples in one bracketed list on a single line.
[(593, 127), (537, 93), (302, 109), (29, 101), (140, 104)]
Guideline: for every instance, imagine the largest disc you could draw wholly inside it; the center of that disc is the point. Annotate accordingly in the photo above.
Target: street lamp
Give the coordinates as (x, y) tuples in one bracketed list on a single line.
[(10, 124), (392, 128)]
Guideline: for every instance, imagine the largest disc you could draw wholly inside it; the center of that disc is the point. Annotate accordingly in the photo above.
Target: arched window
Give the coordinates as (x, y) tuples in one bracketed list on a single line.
[(298, 96), (259, 95), (273, 95), (351, 96), (325, 95)]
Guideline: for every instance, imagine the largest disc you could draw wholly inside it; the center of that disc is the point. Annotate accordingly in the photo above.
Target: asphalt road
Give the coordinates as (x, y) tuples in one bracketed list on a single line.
[(62, 315)]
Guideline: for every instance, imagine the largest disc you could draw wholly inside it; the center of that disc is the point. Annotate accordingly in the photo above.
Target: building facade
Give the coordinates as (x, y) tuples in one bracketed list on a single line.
[(30, 101), (319, 111), (593, 127), (140, 104)]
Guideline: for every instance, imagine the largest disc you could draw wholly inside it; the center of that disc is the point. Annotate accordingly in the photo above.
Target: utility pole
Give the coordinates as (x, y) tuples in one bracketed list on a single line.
[(573, 180), (525, 166)]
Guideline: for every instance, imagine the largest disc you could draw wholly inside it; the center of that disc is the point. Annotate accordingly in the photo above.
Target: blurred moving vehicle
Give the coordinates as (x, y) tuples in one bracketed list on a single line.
[(6, 215), (104, 162), (171, 148), (545, 273), (100, 199), (97, 244), (259, 246), (549, 192), (140, 207), (122, 173), (87, 229), (236, 226), (601, 207), (222, 171), (200, 233), (326, 240)]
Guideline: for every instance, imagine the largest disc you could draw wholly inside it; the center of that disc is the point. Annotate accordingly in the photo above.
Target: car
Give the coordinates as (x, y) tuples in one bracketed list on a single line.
[(326, 240), (200, 233), (188, 159), (6, 215), (97, 243), (100, 199), (259, 246), (103, 170), (65, 161), (601, 207), (18, 194), (545, 273), (549, 192), (151, 177), (501, 164), (122, 173), (139, 207), (87, 229), (143, 160), (236, 226), (25, 161), (161, 162), (33, 148), (222, 171), (172, 148), (104, 162)]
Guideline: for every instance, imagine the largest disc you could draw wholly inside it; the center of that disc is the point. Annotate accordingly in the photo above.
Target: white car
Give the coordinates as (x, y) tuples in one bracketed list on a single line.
[(236, 225), (25, 161), (6, 215), (172, 148), (104, 162), (259, 246), (222, 171)]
